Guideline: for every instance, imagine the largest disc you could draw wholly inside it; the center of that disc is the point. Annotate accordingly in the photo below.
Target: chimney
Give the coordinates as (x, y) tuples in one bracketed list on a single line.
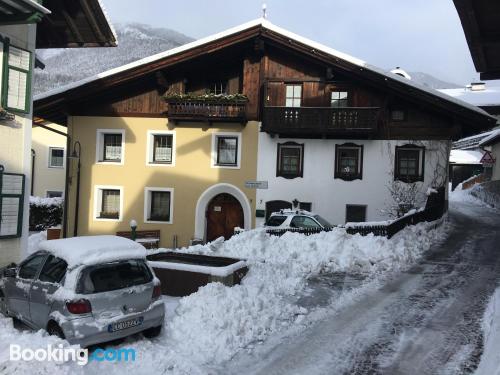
[(477, 86)]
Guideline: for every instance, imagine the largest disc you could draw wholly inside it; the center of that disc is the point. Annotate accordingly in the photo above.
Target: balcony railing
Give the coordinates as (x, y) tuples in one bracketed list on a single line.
[(320, 121), (200, 110)]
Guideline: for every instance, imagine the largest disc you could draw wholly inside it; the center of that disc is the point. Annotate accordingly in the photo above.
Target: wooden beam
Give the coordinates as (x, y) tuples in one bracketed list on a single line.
[(71, 24), (93, 24)]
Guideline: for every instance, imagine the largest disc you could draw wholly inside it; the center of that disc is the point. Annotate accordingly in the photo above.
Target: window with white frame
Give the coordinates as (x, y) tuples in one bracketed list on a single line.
[(161, 148), (54, 194), (110, 146), (16, 77), (56, 157), (293, 95), (108, 203), (158, 205), (339, 99), (226, 150)]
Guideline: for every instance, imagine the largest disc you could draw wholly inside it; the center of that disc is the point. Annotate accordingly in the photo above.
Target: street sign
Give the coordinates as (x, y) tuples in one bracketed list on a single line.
[(256, 184), (487, 160)]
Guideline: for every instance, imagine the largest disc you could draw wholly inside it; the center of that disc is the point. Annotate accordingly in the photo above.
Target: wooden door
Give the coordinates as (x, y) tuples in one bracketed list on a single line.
[(224, 213)]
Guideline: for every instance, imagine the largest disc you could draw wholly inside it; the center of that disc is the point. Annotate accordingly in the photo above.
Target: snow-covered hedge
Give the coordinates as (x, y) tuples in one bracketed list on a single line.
[(45, 212)]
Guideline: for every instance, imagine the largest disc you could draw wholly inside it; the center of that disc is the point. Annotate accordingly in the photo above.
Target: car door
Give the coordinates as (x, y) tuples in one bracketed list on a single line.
[(18, 288), (42, 288)]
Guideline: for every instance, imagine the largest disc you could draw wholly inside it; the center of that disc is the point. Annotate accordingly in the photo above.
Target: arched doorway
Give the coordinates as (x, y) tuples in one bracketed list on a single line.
[(202, 206), (224, 213)]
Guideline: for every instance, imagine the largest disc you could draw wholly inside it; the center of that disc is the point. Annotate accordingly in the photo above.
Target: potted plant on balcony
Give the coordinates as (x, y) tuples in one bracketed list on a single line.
[(175, 97)]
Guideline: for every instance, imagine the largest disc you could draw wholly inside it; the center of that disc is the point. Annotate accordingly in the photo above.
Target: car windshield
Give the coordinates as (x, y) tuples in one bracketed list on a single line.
[(275, 221), (322, 221), (114, 276)]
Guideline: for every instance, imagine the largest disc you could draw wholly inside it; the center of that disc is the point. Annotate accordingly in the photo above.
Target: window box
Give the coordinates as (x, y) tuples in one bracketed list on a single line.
[(409, 163), (226, 150), (158, 205), (110, 146), (160, 148), (348, 162), (290, 160)]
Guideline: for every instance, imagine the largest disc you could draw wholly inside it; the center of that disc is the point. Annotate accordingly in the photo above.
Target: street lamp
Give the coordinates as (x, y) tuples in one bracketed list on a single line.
[(133, 226), (76, 154)]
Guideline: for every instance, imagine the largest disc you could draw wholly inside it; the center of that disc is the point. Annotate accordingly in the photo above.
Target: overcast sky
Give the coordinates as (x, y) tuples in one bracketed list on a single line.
[(418, 35)]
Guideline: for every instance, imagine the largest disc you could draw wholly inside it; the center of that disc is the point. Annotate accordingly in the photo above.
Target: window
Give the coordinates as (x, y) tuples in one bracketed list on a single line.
[(108, 203), (226, 150), (56, 157), (355, 213), (339, 99), (16, 79), (275, 221), (290, 160), (304, 222), (305, 206), (348, 161), (110, 146), (114, 276), (160, 148), (53, 270), (293, 95), (158, 205), (54, 194), (398, 115), (29, 268), (409, 165), (218, 88)]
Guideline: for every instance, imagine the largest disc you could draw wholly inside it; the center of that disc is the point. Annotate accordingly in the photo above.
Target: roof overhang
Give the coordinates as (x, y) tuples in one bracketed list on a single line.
[(55, 102), (14, 12), (74, 24), (481, 23)]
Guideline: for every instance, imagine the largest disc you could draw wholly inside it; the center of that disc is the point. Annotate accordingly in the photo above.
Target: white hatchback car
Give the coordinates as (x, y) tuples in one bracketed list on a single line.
[(285, 219)]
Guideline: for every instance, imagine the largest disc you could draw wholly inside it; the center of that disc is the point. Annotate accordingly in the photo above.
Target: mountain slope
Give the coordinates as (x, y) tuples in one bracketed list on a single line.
[(431, 81), (135, 41)]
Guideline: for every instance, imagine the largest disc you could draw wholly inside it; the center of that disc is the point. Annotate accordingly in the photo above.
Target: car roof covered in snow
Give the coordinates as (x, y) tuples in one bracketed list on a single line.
[(88, 250)]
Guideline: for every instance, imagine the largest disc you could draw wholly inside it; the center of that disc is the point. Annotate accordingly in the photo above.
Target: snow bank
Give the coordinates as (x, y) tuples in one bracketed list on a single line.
[(212, 325), (489, 364), (93, 249), (34, 241)]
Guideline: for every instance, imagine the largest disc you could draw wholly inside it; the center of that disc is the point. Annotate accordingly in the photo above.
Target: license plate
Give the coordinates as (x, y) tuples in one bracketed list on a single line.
[(125, 324)]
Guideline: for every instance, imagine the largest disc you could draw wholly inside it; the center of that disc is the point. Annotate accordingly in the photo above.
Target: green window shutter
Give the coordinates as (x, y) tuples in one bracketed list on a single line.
[(16, 79), (11, 204)]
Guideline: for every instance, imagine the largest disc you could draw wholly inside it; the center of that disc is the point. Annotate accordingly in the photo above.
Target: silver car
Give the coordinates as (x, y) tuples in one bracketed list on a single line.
[(85, 304)]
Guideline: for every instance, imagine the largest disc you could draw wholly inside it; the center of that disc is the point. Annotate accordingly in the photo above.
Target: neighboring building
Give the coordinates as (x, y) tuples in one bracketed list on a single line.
[(59, 25), (319, 127), (492, 145), (48, 150)]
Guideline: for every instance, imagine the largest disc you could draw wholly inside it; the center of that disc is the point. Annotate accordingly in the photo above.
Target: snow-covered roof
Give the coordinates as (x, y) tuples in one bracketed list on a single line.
[(490, 96), (465, 156), (93, 249), (106, 16), (267, 25), (34, 4), (494, 137)]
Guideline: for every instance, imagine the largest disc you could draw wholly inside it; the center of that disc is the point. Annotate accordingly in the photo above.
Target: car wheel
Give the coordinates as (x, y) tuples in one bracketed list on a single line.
[(54, 330), (152, 332)]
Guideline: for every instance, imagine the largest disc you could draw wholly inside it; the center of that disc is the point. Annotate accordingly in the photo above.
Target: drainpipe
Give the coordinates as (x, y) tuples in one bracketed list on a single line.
[(66, 189), (33, 157)]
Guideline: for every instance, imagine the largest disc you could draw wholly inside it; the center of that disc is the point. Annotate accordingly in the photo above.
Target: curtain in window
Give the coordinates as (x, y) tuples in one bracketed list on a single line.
[(110, 203), (290, 160), (56, 157), (112, 147), (160, 205), (163, 148), (227, 150), (349, 161), (408, 162)]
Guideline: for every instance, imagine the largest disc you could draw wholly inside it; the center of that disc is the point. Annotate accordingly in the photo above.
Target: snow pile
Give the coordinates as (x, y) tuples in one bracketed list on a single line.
[(489, 364), (34, 241), (45, 202), (476, 195), (212, 325), (93, 249)]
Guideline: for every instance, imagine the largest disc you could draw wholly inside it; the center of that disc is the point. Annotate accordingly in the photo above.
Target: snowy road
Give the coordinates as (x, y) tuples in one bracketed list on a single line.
[(423, 321)]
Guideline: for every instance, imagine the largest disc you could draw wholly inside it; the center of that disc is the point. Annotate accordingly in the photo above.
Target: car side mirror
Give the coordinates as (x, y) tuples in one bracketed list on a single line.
[(10, 272)]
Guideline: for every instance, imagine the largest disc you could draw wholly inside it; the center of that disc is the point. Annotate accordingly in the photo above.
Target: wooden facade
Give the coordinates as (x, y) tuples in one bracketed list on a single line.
[(260, 64)]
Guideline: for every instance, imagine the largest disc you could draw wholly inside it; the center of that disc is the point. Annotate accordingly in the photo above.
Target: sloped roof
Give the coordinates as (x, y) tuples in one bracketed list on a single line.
[(493, 138), (488, 97), (465, 156), (404, 85)]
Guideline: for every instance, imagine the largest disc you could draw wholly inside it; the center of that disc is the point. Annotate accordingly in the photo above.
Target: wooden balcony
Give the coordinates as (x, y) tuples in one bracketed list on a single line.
[(321, 121), (207, 111)]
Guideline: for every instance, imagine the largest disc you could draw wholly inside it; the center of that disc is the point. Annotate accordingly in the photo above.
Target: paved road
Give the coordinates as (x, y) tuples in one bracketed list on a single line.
[(423, 321)]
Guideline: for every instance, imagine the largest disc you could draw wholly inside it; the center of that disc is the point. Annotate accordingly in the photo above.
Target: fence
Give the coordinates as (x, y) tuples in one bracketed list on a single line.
[(434, 209)]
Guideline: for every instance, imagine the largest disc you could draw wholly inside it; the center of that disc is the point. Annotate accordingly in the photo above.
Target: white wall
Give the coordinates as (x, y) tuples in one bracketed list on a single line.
[(329, 196), (15, 146)]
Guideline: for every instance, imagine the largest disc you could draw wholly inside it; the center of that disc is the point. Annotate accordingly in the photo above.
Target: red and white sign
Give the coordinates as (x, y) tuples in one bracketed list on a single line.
[(487, 160)]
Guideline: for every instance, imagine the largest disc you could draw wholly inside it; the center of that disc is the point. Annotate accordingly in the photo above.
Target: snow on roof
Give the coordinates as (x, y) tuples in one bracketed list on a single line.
[(106, 16), (93, 249), (267, 25), (494, 137), (490, 96), (465, 157), (37, 6)]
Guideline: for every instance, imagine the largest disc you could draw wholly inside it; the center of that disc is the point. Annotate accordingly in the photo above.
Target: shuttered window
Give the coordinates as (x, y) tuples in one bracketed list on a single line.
[(16, 79)]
